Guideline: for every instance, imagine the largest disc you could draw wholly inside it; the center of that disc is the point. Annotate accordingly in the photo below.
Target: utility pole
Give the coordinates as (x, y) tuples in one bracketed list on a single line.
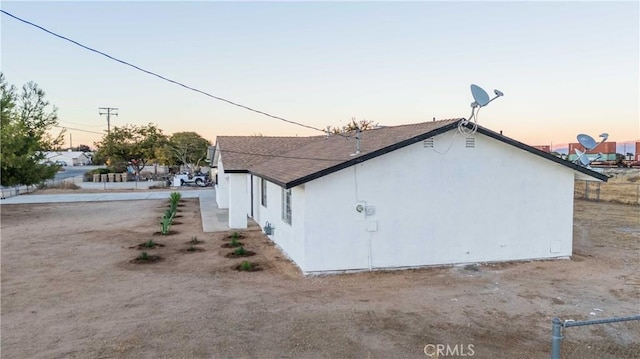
[(70, 142), (110, 111)]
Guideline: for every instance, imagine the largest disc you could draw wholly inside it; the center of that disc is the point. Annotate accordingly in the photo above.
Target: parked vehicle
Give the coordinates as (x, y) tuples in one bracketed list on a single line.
[(188, 179)]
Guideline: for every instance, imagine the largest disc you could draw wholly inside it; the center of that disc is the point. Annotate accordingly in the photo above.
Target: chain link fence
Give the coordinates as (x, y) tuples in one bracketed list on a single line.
[(627, 193), (610, 338)]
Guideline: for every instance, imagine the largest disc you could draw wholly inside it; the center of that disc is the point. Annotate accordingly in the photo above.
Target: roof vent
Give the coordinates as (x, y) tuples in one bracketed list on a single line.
[(469, 142), (428, 143)]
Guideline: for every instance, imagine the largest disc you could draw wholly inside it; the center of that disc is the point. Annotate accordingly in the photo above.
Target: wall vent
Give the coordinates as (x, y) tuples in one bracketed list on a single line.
[(470, 142), (428, 143)]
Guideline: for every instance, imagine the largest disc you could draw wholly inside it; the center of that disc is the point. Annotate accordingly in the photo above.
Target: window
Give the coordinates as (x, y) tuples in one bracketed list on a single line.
[(263, 191), (286, 205)]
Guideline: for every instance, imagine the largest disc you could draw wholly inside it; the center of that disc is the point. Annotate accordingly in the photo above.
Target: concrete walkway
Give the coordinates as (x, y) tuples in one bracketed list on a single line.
[(214, 219)]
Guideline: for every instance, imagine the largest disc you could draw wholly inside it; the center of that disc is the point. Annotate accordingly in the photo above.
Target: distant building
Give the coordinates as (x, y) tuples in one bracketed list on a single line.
[(544, 148), (638, 151), (68, 158)]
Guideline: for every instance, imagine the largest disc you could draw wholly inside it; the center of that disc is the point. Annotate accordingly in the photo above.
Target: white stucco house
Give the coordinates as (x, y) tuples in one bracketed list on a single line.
[(415, 195)]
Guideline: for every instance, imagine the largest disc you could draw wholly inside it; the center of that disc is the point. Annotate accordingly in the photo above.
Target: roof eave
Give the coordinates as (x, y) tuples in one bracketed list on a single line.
[(543, 154)]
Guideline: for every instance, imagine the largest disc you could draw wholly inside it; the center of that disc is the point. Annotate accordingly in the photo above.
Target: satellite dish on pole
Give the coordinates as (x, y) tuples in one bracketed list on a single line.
[(587, 141), (589, 144)]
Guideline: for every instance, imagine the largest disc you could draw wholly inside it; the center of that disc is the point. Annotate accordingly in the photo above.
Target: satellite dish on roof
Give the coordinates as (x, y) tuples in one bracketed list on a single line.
[(480, 96), (481, 99)]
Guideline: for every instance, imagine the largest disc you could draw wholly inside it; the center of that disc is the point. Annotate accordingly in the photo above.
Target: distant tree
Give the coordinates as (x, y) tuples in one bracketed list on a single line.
[(81, 148), (26, 119), (186, 148), (354, 124), (130, 145)]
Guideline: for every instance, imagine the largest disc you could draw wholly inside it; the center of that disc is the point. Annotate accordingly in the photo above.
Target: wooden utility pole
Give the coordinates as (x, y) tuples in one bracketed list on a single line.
[(109, 112)]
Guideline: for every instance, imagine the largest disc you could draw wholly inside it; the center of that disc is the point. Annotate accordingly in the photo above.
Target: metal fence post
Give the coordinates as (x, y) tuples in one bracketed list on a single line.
[(598, 192), (556, 338), (586, 189)]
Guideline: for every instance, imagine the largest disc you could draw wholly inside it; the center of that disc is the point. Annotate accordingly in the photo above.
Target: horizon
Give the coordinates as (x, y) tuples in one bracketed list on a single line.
[(565, 68)]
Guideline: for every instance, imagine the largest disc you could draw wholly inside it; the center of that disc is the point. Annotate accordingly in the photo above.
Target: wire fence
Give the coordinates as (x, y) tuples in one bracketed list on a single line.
[(614, 338), (627, 193)]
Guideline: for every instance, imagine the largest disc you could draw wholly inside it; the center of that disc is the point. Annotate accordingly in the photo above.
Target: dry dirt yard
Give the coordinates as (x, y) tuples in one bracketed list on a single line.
[(69, 290)]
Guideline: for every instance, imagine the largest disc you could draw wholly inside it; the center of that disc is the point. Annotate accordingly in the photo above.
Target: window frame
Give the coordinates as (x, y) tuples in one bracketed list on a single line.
[(287, 211), (263, 192)]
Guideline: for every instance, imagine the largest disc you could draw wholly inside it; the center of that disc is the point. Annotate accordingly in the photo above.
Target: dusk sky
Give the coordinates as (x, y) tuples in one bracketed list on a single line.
[(564, 67)]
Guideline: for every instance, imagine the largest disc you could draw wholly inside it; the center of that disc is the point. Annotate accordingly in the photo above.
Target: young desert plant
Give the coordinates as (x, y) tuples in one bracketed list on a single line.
[(149, 244), (246, 266), (144, 256), (194, 240), (235, 236), (169, 214), (175, 197), (165, 224), (240, 251), (234, 242)]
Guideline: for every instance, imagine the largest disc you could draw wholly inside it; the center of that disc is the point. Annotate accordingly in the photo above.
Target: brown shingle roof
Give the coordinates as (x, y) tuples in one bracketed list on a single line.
[(292, 161), (336, 152), (239, 153)]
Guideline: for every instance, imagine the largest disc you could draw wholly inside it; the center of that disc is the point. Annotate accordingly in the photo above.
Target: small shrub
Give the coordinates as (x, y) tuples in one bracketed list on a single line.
[(64, 185), (235, 236), (234, 242), (246, 266), (191, 248), (149, 244), (194, 240), (240, 251), (144, 256)]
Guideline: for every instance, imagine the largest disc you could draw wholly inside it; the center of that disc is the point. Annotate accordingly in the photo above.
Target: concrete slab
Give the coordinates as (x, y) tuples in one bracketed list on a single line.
[(214, 219)]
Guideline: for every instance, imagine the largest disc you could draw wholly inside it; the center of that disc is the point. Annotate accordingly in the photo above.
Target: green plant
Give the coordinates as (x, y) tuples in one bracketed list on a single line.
[(234, 242), (165, 224), (235, 236), (149, 244), (240, 251), (194, 240), (169, 214), (246, 266), (144, 256), (175, 197), (191, 248)]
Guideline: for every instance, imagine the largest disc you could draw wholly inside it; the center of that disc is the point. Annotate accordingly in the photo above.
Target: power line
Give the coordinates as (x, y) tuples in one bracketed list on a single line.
[(281, 156), (77, 129), (157, 75)]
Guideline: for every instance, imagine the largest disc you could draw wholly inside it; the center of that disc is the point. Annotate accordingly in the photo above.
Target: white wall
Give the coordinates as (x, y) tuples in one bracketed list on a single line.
[(289, 237), (238, 200), (222, 187), (493, 202)]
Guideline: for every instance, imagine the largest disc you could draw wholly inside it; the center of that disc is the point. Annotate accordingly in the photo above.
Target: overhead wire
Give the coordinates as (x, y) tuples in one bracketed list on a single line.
[(282, 156), (160, 76)]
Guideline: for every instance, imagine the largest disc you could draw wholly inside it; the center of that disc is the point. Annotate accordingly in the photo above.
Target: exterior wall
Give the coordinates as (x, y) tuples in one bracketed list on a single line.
[(222, 187), (289, 237), (445, 205), (238, 200)]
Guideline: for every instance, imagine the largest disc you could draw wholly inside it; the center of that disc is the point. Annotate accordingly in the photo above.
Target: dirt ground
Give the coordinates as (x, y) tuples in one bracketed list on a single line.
[(69, 290)]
